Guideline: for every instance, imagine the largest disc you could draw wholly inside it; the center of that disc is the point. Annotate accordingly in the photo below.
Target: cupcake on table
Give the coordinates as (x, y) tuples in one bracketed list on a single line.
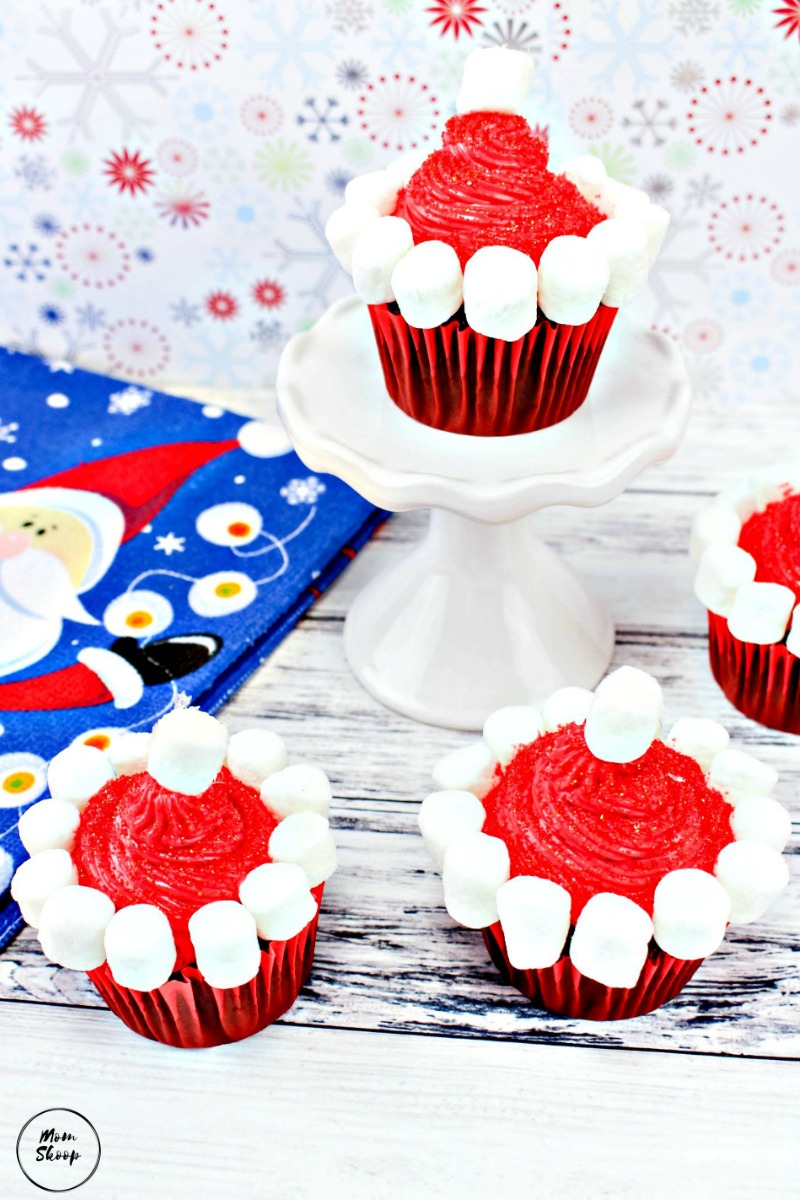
[(183, 870), (746, 545), (601, 862), (493, 282)]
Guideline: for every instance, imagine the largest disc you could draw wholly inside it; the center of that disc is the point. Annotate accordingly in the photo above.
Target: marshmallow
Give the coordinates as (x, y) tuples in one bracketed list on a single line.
[(700, 738), (737, 774), (428, 284), (343, 228), (760, 613), (793, 636), (255, 754), (495, 80), (128, 753), (690, 913), (610, 940), (187, 749), (720, 573), (376, 189), (573, 275), (72, 927), (475, 866), (625, 248), (140, 947), (509, 728), (761, 819), (301, 788), (225, 941), (445, 816), (535, 916), (401, 169), (305, 838), (49, 825), (39, 878), (654, 222), (377, 251), (278, 896), (78, 773), (588, 174), (567, 706), (775, 482), (500, 293), (470, 769), (741, 498), (717, 523), (625, 716), (753, 875), (620, 200)]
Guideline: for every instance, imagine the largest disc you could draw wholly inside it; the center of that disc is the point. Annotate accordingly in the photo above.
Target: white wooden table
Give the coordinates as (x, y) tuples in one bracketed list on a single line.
[(406, 1069)]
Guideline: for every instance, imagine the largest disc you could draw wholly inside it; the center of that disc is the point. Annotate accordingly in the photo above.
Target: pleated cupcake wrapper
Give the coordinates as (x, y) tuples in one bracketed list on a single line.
[(455, 379), (563, 990), (189, 1013), (763, 682)]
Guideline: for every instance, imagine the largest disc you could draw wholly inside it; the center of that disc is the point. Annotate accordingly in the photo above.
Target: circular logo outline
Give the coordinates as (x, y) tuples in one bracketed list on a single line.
[(43, 1187)]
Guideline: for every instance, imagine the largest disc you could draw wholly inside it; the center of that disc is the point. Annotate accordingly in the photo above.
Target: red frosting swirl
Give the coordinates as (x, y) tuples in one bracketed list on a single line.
[(489, 186), (596, 827), (141, 844), (773, 539)]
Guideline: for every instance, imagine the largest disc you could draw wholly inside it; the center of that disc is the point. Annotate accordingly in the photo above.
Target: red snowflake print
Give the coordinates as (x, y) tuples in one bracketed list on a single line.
[(28, 124), (129, 172), (560, 31), (591, 117), (189, 33), (222, 305), (177, 157), (268, 293), (93, 256), (456, 16), (135, 348), (785, 268), (729, 116), (261, 115), (703, 336), (789, 18), (184, 209), (746, 227), (398, 112)]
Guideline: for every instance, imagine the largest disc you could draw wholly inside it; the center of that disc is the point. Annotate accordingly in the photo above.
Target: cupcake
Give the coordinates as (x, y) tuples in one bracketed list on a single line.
[(746, 545), (183, 871), (602, 863), (492, 282)]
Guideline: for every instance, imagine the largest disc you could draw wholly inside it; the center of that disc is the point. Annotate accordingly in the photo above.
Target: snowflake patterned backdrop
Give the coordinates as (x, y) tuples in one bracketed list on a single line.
[(168, 165)]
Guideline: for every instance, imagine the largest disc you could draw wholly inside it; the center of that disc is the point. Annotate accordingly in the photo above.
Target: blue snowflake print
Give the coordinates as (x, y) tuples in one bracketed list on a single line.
[(90, 317), (51, 314), (337, 180), (352, 74), (46, 225), (323, 116), (633, 43), (266, 334), (185, 313), (35, 173), (298, 42), (26, 262), (145, 255)]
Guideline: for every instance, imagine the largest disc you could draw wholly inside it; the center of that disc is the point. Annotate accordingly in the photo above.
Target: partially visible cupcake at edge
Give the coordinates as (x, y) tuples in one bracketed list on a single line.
[(493, 282), (746, 545), (601, 861), (183, 871)]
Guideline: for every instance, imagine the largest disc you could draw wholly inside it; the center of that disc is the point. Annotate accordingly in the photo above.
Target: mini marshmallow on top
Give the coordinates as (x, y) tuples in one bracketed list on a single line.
[(612, 934), (500, 288), (762, 614), (79, 927)]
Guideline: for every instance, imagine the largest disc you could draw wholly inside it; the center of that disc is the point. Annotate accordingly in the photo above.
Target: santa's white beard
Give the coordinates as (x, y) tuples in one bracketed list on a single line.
[(36, 594)]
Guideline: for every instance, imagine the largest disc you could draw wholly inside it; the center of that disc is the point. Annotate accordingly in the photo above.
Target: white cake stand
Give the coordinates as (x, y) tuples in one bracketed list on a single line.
[(481, 613)]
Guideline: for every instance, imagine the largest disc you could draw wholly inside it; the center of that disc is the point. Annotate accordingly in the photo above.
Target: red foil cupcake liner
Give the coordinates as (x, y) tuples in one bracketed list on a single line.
[(563, 990), (763, 682), (455, 379), (189, 1013)]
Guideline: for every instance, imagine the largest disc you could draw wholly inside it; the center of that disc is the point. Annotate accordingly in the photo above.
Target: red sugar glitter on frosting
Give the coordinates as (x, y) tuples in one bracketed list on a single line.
[(141, 844), (605, 827), (773, 539), (489, 185)]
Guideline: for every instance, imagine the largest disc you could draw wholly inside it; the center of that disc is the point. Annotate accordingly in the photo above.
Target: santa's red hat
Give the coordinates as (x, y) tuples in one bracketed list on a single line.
[(116, 497)]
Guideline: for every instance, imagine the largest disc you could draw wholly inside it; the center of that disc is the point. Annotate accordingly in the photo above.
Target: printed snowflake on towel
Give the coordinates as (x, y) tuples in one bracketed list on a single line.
[(322, 116), (283, 166), (686, 76), (746, 227), (629, 49), (651, 120), (352, 74), (261, 115), (694, 16), (729, 116), (129, 172), (297, 44), (170, 544), (136, 347), (27, 123), (303, 491), (189, 33), (398, 112), (129, 401), (182, 207), (349, 16), (26, 262), (93, 256), (35, 172), (591, 117), (185, 313), (8, 431)]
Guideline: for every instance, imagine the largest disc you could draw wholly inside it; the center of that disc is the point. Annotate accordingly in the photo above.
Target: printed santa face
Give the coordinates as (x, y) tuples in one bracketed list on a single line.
[(31, 526)]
